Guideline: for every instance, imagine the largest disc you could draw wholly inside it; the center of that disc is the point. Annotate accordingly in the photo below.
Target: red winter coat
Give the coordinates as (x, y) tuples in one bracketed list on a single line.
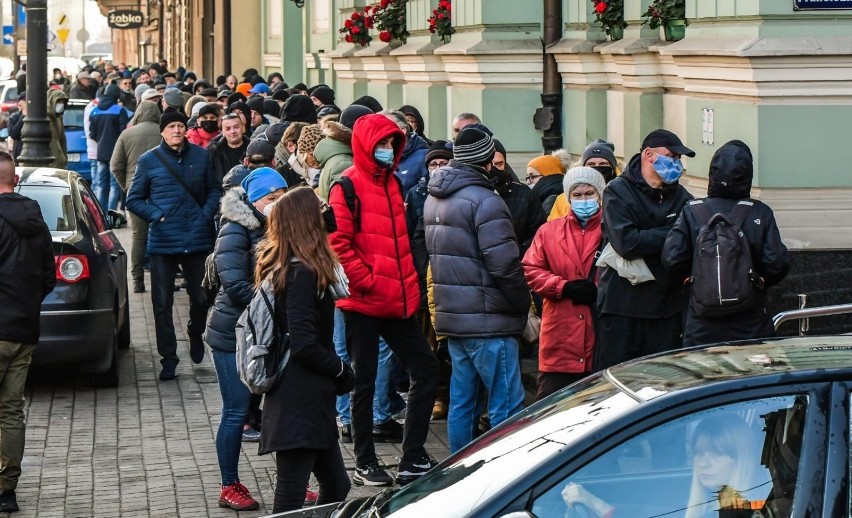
[(377, 257), (563, 251)]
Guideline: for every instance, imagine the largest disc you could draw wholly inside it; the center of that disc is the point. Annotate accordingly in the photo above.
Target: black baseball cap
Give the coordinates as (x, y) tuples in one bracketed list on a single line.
[(668, 140)]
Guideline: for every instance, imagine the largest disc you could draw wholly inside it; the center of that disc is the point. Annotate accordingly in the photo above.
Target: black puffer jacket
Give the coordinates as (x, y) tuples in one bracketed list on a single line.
[(479, 285), (298, 412), (242, 228), (547, 189), (731, 176), (637, 218), (219, 159), (415, 204), (27, 270)]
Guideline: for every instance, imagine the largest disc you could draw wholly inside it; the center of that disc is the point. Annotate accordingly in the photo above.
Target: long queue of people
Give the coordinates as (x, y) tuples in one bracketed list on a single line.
[(449, 255)]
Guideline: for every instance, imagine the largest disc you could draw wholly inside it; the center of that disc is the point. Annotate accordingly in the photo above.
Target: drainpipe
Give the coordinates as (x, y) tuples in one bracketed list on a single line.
[(226, 44), (548, 118)]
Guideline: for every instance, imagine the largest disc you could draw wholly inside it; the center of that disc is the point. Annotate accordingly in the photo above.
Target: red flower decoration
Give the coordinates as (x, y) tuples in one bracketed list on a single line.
[(355, 30), (348, 24), (368, 21), (355, 15), (600, 7), (384, 3), (348, 38), (385, 36), (440, 21), (390, 17)]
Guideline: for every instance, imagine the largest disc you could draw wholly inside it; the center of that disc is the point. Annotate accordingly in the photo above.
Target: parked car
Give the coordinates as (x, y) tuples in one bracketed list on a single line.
[(746, 430), (78, 158), (86, 319), (8, 97)]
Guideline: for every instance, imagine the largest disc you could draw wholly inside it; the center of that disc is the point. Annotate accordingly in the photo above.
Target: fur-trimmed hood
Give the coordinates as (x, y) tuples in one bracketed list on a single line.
[(336, 131), (236, 207)]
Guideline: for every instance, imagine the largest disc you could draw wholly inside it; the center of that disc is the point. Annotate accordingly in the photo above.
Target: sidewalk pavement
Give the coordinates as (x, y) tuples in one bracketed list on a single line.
[(146, 448)]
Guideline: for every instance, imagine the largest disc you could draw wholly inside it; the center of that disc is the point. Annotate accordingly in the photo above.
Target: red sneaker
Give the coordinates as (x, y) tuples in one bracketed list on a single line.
[(237, 497), (311, 497)]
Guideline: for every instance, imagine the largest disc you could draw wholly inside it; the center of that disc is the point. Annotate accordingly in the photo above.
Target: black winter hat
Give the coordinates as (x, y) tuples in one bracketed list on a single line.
[(249, 73), (299, 108), (270, 107), (369, 102), (261, 147), (600, 149), (190, 75), (731, 172), (352, 113), (275, 132), (207, 92), (499, 148), (324, 94), (235, 97), (255, 102), (241, 107), (169, 116), (209, 109), (440, 149), (473, 146), (280, 94)]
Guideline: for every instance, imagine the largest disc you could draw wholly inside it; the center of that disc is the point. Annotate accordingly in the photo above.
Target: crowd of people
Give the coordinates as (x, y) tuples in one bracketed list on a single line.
[(451, 258)]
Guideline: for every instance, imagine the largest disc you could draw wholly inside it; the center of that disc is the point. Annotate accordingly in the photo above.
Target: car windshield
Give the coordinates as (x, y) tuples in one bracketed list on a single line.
[(11, 94), (72, 117), (517, 446), (56, 205)]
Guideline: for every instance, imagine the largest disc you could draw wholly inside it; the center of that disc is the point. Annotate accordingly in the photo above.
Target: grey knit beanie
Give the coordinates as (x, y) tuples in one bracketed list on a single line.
[(579, 175)]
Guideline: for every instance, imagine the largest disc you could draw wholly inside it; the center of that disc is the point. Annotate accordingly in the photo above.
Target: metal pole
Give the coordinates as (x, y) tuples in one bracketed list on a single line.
[(36, 130), (550, 115), (15, 57)]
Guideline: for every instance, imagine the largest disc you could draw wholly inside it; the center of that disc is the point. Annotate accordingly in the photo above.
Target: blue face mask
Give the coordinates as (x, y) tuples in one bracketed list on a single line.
[(670, 169), (584, 209), (383, 155)]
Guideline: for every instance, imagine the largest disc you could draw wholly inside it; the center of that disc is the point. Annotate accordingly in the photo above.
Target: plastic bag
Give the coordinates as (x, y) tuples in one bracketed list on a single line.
[(634, 270)]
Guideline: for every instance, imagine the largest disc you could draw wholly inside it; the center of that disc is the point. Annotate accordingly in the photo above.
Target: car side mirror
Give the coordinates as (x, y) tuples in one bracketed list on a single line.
[(4, 133)]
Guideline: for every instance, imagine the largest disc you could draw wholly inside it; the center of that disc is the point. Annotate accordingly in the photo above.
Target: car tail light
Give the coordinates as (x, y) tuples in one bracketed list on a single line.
[(72, 268)]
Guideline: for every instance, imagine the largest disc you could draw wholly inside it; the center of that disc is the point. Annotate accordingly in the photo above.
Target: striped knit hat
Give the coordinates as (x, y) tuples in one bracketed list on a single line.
[(473, 146)]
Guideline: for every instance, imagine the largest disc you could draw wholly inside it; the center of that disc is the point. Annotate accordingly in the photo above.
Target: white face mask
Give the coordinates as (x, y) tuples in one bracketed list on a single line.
[(313, 175), (60, 107), (268, 210), (294, 163)]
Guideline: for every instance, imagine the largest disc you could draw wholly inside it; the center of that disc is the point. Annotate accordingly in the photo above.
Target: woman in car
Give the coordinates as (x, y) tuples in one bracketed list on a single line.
[(298, 422), (560, 267)]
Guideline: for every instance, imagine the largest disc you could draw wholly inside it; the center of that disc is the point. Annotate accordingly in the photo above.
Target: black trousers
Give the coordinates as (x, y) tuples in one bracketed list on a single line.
[(550, 382), (406, 340), (163, 272), (294, 473), (621, 338)]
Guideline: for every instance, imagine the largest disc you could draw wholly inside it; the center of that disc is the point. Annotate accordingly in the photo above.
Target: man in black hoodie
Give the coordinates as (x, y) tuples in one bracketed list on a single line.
[(27, 275), (106, 123), (731, 173), (639, 209)]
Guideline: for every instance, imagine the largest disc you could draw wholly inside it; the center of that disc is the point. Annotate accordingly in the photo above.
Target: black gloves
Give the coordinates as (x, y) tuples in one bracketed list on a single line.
[(581, 292), (345, 381)]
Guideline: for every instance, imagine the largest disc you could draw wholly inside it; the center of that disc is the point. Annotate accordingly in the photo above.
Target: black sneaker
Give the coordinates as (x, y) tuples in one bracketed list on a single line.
[(138, 285), (168, 371), (410, 471), (371, 475), (389, 431), (8, 501)]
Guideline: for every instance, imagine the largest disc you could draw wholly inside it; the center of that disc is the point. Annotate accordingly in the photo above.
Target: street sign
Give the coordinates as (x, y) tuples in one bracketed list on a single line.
[(21, 47), (815, 5), (8, 35), (83, 36), (22, 16), (63, 20), (62, 34), (125, 19)]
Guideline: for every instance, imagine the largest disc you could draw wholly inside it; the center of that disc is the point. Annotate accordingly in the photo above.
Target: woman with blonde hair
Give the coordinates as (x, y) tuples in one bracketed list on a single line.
[(305, 276)]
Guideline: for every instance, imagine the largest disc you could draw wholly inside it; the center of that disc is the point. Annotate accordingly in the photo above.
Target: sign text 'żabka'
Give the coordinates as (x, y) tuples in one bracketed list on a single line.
[(125, 19)]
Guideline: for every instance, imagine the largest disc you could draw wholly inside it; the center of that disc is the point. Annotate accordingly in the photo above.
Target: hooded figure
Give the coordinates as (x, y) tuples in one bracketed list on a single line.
[(334, 154), (56, 100), (412, 165), (731, 173), (419, 123)]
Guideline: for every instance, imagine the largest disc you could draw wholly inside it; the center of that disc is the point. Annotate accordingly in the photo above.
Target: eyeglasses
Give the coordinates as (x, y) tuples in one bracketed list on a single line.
[(533, 178), (435, 164), (230, 117)]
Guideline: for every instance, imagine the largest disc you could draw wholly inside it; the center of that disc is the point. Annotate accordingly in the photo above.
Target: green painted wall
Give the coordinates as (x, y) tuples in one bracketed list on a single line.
[(508, 113), (432, 103), (294, 48), (584, 113), (643, 113), (731, 120)]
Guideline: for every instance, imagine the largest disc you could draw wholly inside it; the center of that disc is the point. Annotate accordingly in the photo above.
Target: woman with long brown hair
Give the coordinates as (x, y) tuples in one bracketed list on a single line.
[(298, 421)]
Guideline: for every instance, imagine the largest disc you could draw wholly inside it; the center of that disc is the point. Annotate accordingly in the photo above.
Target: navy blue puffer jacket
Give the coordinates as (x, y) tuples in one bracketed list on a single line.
[(242, 228), (480, 289), (155, 195)]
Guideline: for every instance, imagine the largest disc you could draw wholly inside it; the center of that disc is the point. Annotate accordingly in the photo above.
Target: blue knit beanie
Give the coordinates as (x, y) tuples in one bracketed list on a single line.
[(261, 182)]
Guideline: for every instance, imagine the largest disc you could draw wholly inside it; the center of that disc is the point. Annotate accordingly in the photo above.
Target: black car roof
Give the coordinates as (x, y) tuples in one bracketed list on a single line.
[(44, 176), (688, 368)]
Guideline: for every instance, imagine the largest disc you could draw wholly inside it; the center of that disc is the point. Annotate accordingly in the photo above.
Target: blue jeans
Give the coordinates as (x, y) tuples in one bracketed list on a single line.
[(384, 403), (235, 405), (496, 363), (106, 188)]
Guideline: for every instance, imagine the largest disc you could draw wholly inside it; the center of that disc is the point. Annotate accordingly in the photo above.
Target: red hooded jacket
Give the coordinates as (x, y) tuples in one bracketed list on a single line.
[(377, 257)]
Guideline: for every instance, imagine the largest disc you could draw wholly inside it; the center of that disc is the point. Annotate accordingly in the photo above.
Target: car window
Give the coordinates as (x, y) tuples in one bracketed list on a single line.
[(11, 94), (72, 117), (737, 460), (57, 209)]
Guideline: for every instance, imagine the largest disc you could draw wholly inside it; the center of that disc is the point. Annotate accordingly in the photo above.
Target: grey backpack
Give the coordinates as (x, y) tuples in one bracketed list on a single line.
[(263, 347)]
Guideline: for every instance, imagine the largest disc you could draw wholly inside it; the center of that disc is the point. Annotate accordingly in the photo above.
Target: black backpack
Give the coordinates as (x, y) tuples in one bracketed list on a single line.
[(723, 278), (352, 200)]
